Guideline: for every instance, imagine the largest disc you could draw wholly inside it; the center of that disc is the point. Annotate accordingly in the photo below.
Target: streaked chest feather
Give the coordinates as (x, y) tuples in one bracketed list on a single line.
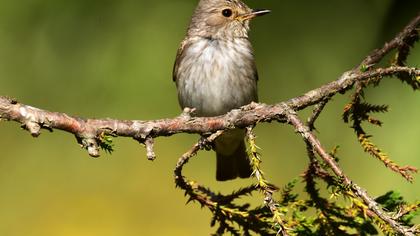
[(216, 76)]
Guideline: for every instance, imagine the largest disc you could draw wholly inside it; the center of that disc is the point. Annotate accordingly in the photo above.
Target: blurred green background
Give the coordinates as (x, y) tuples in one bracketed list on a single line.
[(114, 59)]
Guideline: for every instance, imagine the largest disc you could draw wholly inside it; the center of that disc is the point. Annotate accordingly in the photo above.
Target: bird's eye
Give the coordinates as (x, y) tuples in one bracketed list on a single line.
[(227, 12)]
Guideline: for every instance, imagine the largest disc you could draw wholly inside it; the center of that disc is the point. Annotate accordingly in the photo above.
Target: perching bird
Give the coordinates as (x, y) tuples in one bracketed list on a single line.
[(215, 72)]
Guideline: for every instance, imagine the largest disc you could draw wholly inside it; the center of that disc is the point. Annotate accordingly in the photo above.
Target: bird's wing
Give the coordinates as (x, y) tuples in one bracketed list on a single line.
[(178, 59)]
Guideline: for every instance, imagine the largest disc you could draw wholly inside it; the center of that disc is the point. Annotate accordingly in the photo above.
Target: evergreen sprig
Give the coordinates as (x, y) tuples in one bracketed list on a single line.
[(357, 112)]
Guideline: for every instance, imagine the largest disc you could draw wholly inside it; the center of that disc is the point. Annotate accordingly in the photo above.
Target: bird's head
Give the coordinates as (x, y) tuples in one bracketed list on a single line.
[(222, 19)]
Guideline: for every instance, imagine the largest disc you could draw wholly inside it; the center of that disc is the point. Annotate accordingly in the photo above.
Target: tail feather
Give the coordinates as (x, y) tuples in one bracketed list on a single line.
[(242, 162), (233, 165)]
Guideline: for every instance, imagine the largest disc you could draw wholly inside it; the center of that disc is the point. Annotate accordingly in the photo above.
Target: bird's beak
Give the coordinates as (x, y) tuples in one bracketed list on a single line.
[(253, 14)]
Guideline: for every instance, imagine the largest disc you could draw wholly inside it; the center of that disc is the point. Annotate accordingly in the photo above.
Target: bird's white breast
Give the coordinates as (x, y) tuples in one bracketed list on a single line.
[(216, 76)]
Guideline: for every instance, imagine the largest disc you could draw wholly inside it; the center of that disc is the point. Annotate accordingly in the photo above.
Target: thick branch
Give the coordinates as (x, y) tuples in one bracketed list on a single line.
[(87, 130)]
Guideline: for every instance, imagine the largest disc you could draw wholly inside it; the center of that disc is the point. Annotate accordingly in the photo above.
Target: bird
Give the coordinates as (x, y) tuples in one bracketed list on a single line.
[(215, 72)]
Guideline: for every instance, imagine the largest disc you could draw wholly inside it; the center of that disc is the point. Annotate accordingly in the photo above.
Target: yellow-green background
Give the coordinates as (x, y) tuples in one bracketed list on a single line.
[(114, 59)]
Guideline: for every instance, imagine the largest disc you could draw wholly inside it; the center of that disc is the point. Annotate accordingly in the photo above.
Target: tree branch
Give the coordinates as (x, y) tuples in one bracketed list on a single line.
[(87, 131), (310, 138), (399, 41), (94, 134)]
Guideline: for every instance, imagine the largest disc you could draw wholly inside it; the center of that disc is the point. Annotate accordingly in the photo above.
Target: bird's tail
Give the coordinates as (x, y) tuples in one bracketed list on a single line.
[(232, 158)]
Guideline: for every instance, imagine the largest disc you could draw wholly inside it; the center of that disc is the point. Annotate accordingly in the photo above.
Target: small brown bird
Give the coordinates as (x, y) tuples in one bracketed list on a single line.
[(215, 72)]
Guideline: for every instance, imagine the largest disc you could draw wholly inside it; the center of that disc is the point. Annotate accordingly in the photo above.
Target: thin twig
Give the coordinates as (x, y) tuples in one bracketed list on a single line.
[(192, 152), (266, 188), (150, 152), (399, 40), (316, 112), (219, 204)]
